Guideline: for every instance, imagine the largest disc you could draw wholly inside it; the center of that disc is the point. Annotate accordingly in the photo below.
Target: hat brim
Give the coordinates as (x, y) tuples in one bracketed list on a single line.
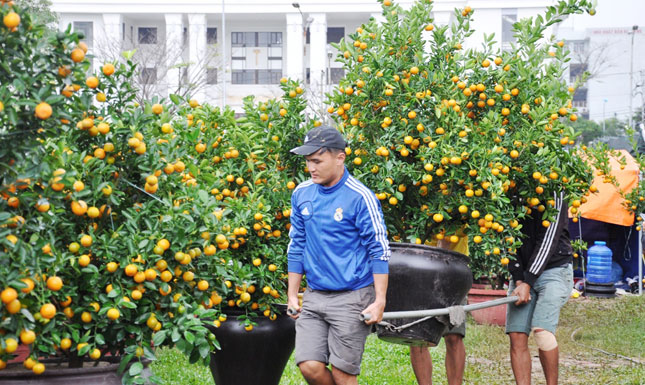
[(305, 150)]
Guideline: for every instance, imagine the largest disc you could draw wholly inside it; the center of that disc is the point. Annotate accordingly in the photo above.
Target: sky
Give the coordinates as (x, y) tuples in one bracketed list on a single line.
[(610, 13)]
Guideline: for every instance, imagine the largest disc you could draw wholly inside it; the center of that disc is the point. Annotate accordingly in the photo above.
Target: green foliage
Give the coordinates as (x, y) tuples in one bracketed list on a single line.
[(155, 217), (41, 13), (460, 142), (591, 131)]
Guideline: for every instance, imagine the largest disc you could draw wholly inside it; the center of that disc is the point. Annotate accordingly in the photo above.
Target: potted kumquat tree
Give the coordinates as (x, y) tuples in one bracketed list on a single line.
[(460, 143), (126, 226)]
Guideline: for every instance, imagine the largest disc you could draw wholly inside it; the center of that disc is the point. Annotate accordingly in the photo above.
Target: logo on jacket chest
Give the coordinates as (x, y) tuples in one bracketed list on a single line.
[(338, 215)]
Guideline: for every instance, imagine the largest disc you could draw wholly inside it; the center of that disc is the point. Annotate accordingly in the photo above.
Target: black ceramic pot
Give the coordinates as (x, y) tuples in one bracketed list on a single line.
[(423, 277), (256, 357)]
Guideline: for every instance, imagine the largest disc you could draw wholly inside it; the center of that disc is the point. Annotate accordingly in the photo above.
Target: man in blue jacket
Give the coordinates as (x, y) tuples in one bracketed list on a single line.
[(339, 241)]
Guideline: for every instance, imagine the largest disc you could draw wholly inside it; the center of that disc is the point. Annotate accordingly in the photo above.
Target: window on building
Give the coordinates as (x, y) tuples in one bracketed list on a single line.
[(509, 17), (237, 39), (87, 29), (149, 75), (578, 46), (334, 34), (123, 31), (147, 35), (243, 77), (256, 57), (251, 76), (244, 39), (579, 104), (580, 95), (211, 76), (576, 70), (269, 76), (211, 35), (336, 74), (333, 76)]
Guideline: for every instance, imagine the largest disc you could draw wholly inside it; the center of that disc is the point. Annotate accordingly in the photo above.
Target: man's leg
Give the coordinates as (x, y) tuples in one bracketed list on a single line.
[(312, 352), (518, 328), (520, 358), (316, 373), (549, 360), (554, 287), (455, 358), (421, 364), (342, 378), (347, 333)]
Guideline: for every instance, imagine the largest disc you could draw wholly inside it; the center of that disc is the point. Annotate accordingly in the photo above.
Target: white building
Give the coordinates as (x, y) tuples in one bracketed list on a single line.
[(613, 56), (259, 42)]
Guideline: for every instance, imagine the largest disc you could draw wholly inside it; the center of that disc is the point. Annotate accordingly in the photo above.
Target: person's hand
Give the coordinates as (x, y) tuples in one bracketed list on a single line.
[(375, 309), (293, 307), (523, 292)]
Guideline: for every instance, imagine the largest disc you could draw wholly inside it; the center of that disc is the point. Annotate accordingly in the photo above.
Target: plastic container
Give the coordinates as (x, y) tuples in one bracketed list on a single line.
[(599, 263)]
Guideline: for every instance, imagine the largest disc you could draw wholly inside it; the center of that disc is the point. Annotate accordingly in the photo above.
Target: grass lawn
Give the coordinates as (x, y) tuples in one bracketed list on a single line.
[(601, 342)]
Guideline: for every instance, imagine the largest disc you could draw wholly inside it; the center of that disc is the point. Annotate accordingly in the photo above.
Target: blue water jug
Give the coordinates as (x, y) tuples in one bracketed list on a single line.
[(599, 263)]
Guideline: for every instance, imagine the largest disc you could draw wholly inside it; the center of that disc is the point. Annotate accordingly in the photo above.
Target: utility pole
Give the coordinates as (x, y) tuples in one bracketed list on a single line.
[(631, 77), (305, 26), (223, 57), (604, 103)]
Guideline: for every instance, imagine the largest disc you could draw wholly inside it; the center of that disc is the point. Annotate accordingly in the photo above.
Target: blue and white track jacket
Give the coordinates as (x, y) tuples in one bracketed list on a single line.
[(338, 237)]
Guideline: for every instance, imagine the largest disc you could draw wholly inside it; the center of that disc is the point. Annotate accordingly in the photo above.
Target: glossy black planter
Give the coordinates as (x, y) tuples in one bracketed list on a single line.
[(256, 357), (423, 277)]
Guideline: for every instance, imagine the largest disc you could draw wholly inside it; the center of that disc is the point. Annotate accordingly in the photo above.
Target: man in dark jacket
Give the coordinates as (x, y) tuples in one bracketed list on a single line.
[(542, 278)]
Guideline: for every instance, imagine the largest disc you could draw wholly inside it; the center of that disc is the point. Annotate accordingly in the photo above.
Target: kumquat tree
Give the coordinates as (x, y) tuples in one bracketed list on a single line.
[(127, 226), (461, 142)]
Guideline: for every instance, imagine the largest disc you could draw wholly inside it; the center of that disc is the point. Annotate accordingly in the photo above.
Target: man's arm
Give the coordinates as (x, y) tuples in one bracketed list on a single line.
[(292, 294), (376, 308), (296, 248), (374, 237), (547, 240), (295, 253), (546, 243), (372, 231)]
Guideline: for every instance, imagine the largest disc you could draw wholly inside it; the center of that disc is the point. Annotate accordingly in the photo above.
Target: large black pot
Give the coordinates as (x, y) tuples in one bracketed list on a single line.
[(255, 357), (423, 277)]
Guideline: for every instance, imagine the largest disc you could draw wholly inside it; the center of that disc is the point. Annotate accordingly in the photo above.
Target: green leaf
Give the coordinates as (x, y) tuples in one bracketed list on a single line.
[(27, 315), (175, 336), (84, 349), (128, 54), (90, 269), (176, 99), (204, 349), (203, 196), (190, 337), (136, 369), (159, 337)]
